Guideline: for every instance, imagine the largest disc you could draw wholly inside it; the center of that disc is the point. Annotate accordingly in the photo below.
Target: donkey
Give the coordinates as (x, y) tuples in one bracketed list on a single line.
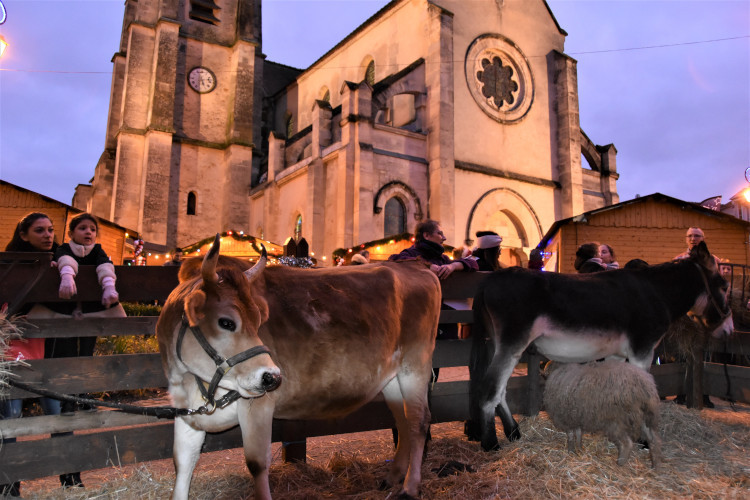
[(578, 318)]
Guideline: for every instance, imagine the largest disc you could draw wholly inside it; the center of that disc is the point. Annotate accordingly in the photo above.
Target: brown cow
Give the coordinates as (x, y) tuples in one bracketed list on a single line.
[(339, 336)]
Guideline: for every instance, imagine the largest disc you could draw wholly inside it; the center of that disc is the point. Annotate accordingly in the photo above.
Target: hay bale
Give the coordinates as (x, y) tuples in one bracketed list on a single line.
[(9, 330)]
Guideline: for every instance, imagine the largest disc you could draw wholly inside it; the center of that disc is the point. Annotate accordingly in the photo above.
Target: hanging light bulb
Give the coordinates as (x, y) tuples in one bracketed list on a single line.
[(3, 45)]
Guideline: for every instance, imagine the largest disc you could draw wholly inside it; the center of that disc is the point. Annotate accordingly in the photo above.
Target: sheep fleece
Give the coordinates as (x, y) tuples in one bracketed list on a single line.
[(615, 398)]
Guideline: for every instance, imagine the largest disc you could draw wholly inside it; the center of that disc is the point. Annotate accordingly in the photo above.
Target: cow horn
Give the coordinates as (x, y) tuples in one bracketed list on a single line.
[(208, 269), (252, 273)]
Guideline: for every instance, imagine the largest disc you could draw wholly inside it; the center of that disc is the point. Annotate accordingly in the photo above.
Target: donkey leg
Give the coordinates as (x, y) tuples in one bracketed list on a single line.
[(492, 392), (643, 361), (185, 451), (256, 422), (496, 383)]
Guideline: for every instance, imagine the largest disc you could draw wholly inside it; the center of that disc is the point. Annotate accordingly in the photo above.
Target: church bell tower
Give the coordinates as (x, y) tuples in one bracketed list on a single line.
[(184, 119)]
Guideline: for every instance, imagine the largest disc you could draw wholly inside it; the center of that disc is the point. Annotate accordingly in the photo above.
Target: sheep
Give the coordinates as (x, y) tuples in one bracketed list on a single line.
[(613, 397)]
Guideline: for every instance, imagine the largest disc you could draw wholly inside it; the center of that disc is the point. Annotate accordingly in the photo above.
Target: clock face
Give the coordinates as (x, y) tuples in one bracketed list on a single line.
[(202, 80)]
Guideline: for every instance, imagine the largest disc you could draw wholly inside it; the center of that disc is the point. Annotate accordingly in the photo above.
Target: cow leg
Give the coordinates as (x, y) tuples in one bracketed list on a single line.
[(186, 451), (395, 401), (414, 385), (256, 423)]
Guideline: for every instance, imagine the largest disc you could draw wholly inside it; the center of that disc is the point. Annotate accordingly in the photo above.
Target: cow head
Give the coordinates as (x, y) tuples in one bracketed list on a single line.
[(712, 309), (220, 307)]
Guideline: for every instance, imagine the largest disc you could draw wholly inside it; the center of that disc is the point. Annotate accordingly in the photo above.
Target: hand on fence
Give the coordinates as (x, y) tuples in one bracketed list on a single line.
[(109, 294), (67, 283)]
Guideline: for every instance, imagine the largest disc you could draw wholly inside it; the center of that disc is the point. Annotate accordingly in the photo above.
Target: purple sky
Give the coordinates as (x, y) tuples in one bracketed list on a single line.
[(678, 113)]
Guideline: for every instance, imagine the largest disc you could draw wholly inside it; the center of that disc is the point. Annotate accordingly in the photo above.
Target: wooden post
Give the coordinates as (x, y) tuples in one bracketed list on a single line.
[(694, 378), (294, 451), (293, 442)]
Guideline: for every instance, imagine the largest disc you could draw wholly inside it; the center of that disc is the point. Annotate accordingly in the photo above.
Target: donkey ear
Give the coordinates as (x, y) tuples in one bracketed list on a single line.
[(195, 306), (702, 256)]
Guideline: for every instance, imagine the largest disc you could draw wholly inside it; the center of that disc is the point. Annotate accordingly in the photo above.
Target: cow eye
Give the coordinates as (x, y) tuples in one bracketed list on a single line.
[(227, 324)]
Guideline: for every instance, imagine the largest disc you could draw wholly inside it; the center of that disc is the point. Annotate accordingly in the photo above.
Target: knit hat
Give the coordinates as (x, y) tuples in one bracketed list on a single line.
[(489, 241), (358, 259)]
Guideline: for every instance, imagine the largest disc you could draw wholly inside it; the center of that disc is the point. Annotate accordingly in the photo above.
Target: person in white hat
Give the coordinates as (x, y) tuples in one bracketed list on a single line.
[(488, 250)]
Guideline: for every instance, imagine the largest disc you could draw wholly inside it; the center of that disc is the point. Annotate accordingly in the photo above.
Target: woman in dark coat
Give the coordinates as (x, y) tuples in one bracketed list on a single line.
[(34, 233)]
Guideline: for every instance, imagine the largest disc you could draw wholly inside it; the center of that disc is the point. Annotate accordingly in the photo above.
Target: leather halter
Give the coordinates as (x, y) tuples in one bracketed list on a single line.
[(724, 315), (223, 365)]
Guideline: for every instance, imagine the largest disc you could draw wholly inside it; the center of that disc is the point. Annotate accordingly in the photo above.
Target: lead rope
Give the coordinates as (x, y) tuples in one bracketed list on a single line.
[(154, 411)]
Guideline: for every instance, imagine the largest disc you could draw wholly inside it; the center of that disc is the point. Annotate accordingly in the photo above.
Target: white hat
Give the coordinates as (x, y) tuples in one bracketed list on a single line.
[(489, 241), (358, 259)]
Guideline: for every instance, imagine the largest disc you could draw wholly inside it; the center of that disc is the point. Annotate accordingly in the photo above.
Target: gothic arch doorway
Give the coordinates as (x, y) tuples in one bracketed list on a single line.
[(507, 213)]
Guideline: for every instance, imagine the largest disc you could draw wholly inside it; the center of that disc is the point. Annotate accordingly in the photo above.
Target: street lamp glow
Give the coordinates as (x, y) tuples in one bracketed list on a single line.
[(3, 45), (746, 194)]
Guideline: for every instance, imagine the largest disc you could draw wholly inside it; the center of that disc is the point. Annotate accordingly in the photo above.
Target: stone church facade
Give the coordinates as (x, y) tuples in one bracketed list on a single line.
[(464, 112)]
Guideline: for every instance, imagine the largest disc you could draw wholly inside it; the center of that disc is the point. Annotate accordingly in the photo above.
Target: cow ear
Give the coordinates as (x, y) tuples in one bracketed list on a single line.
[(194, 307), (262, 305)]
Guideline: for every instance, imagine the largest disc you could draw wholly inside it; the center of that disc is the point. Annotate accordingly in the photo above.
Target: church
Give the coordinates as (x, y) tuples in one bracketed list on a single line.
[(462, 112)]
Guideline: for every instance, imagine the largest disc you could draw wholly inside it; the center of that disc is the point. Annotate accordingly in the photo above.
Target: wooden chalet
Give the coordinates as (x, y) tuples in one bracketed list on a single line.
[(650, 227), (16, 202)]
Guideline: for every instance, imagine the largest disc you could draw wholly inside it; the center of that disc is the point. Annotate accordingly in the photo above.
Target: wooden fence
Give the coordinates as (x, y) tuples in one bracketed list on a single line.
[(105, 438)]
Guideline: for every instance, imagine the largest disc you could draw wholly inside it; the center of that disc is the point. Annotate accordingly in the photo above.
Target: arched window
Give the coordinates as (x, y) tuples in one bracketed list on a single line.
[(298, 228), (289, 126), (204, 11), (191, 202), (370, 73), (395, 217)]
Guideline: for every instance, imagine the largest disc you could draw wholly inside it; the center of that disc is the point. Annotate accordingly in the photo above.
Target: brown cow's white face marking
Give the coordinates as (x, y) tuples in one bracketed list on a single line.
[(225, 329)]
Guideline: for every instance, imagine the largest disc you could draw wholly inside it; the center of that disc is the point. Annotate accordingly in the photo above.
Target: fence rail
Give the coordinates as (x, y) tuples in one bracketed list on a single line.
[(105, 438)]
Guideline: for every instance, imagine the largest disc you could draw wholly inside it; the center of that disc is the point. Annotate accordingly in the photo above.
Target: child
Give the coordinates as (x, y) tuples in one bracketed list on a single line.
[(82, 249)]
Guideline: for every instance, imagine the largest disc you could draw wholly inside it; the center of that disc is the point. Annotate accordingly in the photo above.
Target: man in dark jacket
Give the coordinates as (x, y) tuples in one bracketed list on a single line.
[(428, 245)]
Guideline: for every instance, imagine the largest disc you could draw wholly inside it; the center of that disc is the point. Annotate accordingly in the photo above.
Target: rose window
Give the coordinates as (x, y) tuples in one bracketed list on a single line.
[(496, 81), (499, 78)]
